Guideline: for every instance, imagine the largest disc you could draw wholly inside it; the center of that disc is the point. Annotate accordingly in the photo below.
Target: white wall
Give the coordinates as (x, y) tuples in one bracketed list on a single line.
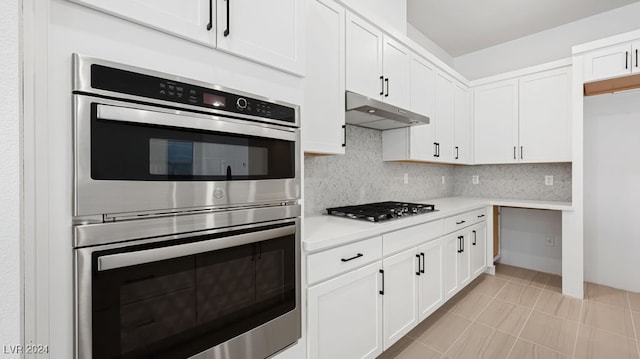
[(10, 208), (549, 45), (612, 190), (523, 234), (428, 44)]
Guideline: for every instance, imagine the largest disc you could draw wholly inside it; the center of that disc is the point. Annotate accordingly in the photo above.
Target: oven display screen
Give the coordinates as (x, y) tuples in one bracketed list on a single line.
[(214, 100)]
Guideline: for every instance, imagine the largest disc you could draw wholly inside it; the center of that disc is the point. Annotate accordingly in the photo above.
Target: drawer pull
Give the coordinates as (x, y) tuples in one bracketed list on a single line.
[(461, 222), (480, 216), (423, 264), (382, 290), (352, 258)]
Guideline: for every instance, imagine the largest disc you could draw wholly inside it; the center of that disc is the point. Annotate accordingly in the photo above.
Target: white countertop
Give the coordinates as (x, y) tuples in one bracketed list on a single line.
[(324, 231)]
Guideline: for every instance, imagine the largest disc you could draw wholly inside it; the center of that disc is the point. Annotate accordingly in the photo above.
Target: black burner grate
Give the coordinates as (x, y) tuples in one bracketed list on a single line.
[(381, 211)]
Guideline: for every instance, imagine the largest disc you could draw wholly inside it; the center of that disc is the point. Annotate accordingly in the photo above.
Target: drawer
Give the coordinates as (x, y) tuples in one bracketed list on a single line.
[(463, 220), (342, 259), (410, 237)]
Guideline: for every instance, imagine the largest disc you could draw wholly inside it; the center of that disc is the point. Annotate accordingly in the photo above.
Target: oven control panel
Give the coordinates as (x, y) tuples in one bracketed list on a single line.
[(133, 83)]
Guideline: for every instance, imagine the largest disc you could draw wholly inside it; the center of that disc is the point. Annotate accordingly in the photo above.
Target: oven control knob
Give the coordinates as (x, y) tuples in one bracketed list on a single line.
[(241, 103), (218, 193)]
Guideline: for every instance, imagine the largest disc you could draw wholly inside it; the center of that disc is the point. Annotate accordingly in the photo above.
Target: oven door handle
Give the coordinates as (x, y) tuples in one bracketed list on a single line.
[(127, 259), (206, 122)]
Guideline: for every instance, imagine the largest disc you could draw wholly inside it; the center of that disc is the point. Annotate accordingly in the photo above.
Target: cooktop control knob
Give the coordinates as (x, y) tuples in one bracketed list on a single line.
[(241, 103)]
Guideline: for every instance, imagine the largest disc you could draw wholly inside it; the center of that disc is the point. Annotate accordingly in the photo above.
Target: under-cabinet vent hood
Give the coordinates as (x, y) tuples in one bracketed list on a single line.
[(367, 112)]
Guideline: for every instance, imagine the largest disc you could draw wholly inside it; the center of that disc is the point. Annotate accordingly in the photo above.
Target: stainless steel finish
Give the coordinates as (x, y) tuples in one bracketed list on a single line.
[(82, 82), (97, 197), (121, 260), (120, 231), (257, 343), (371, 113)]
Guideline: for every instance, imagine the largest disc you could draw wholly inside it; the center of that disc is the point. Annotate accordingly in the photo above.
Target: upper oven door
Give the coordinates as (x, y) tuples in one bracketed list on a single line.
[(131, 157)]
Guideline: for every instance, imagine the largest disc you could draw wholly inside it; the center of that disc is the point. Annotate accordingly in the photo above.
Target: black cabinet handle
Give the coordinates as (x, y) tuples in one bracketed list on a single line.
[(475, 237), (636, 57), (226, 31), (457, 153), (480, 216), (438, 150), (521, 152), (459, 244), (626, 60), (386, 81), (382, 291), (514, 152), (344, 130), (352, 258), (423, 262), (462, 242), (461, 222), (210, 24), (418, 270), (381, 85), (435, 149)]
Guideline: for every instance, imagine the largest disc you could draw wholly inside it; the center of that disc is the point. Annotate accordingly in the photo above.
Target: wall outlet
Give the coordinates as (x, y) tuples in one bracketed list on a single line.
[(442, 179), (406, 178), (548, 180), (475, 179), (549, 240)]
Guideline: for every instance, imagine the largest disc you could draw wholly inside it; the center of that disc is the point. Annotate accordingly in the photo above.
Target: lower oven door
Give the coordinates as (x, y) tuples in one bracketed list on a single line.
[(218, 294)]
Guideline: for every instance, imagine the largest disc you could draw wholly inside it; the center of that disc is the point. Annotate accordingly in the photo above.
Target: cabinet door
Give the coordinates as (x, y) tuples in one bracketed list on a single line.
[(545, 117), (496, 122), (396, 65), (444, 117), (450, 264), (340, 308), (478, 249), (188, 19), (464, 261), (430, 294), (462, 123), (400, 305), (269, 32), (364, 58), (323, 111), (422, 96), (612, 61)]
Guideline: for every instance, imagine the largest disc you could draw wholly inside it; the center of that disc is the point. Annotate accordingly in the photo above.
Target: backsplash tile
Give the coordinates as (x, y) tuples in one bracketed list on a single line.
[(360, 176)]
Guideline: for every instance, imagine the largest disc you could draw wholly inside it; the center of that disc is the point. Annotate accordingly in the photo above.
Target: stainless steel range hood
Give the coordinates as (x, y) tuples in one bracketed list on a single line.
[(367, 112)]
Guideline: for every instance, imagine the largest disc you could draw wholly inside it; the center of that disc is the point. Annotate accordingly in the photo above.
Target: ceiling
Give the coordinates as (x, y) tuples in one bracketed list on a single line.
[(463, 26)]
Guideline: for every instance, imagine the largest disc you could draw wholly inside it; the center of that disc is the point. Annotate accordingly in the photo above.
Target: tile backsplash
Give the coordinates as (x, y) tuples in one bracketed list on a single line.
[(360, 176)]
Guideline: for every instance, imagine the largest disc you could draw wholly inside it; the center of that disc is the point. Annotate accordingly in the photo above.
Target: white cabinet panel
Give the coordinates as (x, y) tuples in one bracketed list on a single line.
[(423, 86), (496, 122), (400, 295), (464, 260), (450, 264), (444, 117), (545, 117), (612, 61), (430, 286), (478, 249), (323, 115), (396, 66), (364, 58), (247, 29), (462, 123), (189, 19), (345, 316)]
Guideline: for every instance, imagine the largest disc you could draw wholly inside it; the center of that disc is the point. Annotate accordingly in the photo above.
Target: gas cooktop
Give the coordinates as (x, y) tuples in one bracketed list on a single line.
[(381, 211)]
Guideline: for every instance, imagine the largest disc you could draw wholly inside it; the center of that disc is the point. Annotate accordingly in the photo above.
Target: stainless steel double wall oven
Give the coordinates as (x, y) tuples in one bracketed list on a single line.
[(186, 217)]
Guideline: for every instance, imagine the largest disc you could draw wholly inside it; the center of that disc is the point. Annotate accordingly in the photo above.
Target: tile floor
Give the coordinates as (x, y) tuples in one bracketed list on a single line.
[(519, 313)]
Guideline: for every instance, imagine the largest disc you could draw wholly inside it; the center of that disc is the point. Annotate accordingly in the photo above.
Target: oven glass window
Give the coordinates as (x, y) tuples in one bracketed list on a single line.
[(179, 307), (142, 152)]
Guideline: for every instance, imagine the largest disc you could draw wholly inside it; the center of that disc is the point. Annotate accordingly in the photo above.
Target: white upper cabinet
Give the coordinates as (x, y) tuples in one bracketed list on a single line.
[(496, 122), (396, 65), (193, 20), (270, 32), (462, 123), (323, 114), (524, 120), (545, 117), (364, 58), (422, 82), (443, 119), (613, 61), (240, 27), (377, 65)]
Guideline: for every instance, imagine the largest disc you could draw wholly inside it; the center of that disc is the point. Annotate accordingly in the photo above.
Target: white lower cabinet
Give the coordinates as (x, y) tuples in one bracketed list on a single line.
[(478, 248), (345, 315), (430, 294), (456, 262), (400, 300)]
